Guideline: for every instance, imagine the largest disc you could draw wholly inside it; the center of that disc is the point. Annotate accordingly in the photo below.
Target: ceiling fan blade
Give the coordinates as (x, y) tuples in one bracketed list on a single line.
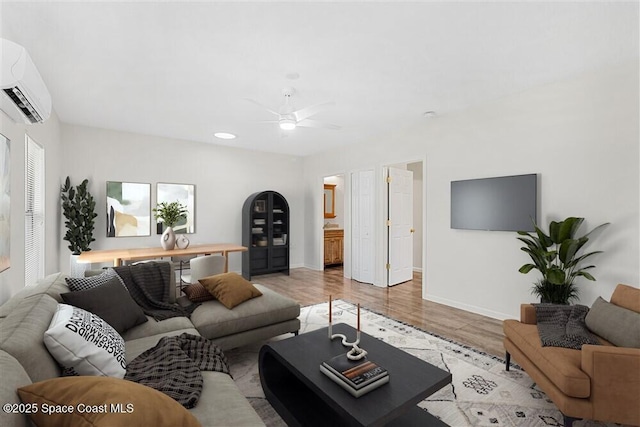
[(253, 101), (303, 113), (308, 123)]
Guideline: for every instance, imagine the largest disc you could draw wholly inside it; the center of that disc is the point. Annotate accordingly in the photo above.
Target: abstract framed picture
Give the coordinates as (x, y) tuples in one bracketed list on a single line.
[(5, 203), (185, 194), (128, 209)]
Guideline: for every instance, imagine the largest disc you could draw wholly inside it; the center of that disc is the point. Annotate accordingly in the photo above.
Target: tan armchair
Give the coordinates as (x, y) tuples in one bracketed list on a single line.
[(599, 382)]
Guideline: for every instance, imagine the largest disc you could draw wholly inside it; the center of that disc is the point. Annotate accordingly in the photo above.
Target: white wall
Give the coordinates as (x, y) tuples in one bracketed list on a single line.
[(224, 177), (47, 135), (581, 135)]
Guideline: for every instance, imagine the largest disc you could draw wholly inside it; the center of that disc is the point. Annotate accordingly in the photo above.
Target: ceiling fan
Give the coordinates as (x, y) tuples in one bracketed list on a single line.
[(289, 119)]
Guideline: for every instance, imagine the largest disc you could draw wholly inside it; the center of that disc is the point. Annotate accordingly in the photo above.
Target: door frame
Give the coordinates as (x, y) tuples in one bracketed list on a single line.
[(422, 219), (320, 220), (344, 221), (396, 259)]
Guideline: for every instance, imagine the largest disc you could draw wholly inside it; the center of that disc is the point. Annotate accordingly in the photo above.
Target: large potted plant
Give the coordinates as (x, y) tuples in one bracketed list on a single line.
[(557, 257), (78, 208), (169, 214)]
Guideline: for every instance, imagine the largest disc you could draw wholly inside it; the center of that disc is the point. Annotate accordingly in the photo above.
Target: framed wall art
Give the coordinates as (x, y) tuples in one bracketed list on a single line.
[(128, 209), (184, 194), (5, 203)]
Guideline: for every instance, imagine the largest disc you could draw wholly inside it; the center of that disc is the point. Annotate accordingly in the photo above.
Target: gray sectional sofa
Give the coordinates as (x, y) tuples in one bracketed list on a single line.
[(24, 359)]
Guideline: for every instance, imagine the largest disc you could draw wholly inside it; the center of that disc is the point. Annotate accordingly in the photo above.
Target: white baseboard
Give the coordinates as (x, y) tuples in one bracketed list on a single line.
[(470, 308), (417, 270)]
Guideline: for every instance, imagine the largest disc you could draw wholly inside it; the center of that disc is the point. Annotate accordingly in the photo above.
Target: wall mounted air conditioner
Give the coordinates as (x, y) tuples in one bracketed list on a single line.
[(24, 96)]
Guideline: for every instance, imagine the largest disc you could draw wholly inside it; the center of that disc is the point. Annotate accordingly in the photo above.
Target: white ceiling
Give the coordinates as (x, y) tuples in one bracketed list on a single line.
[(182, 70)]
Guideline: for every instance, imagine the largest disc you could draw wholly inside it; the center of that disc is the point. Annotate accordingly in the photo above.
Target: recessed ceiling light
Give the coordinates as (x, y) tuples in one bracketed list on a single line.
[(429, 114), (224, 135)]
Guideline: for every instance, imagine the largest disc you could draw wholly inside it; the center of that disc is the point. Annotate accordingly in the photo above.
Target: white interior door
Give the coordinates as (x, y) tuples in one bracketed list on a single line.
[(362, 242), (400, 228)]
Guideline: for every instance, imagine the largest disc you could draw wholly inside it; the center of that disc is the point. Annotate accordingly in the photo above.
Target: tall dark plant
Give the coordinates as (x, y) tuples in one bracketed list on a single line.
[(557, 257), (78, 208)]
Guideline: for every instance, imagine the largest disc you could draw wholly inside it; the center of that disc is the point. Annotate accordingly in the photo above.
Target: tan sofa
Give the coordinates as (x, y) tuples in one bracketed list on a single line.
[(24, 359), (599, 382)]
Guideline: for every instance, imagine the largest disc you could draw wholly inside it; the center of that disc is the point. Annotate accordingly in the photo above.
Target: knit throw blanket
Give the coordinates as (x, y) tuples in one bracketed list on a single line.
[(173, 367), (563, 326), (148, 284)]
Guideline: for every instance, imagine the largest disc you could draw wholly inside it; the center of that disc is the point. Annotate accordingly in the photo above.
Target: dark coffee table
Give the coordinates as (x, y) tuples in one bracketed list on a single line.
[(302, 395)]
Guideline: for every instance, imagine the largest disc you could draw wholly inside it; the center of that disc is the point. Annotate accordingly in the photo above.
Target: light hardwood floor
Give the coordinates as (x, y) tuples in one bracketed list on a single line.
[(402, 302)]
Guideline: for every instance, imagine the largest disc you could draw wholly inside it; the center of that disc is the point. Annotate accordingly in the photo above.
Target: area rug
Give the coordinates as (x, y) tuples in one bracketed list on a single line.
[(482, 393)]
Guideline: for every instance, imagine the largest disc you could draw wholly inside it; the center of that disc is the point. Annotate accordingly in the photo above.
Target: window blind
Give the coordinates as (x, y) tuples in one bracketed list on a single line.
[(33, 212)]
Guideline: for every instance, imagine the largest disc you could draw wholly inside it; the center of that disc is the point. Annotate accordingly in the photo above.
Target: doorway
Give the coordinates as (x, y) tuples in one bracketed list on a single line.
[(404, 213), (334, 222)]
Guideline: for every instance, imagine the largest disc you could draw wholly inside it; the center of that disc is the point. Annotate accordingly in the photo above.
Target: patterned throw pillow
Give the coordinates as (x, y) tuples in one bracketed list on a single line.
[(83, 343), (86, 283), (197, 293)]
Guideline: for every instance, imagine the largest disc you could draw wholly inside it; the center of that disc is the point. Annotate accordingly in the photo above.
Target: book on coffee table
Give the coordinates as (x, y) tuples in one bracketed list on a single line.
[(354, 392), (356, 376)]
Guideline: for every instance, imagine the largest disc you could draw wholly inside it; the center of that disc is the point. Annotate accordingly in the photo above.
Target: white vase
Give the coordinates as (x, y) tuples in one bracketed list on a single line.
[(168, 239), (76, 269), (182, 242)]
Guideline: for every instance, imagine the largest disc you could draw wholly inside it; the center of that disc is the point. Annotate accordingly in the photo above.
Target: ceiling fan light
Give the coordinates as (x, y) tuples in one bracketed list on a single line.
[(287, 124)]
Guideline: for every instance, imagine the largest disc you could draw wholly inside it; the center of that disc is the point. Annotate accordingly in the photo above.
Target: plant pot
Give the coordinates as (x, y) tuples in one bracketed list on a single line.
[(168, 239), (76, 269), (182, 242)]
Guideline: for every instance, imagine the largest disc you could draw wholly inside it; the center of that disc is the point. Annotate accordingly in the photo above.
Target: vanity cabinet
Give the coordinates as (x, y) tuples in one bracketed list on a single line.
[(333, 247), (265, 232)]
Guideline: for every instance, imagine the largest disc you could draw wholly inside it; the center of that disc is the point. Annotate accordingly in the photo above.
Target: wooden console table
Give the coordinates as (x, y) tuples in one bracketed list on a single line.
[(118, 255)]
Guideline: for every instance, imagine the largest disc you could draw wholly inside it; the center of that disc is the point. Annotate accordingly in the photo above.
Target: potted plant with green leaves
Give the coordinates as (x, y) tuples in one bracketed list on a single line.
[(78, 208), (557, 256), (169, 214)]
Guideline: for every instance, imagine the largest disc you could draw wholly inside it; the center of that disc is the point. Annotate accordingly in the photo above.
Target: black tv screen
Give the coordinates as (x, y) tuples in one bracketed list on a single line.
[(507, 203)]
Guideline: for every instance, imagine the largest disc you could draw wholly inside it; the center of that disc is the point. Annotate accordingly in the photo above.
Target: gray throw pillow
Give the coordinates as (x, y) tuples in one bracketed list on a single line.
[(111, 302), (615, 324), (86, 283)]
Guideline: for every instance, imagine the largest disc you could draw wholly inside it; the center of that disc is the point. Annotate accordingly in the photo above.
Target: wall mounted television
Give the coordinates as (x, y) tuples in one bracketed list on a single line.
[(507, 203)]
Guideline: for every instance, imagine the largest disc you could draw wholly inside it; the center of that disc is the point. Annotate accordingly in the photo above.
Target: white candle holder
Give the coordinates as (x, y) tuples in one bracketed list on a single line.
[(356, 353)]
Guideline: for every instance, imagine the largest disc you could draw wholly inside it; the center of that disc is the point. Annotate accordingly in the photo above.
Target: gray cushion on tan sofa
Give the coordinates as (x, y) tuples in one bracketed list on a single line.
[(619, 326), (13, 376), (21, 334), (214, 320), (154, 327), (52, 285), (220, 391)]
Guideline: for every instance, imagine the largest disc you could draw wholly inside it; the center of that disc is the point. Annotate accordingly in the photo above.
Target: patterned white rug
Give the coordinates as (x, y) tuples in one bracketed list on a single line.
[(482, 393)]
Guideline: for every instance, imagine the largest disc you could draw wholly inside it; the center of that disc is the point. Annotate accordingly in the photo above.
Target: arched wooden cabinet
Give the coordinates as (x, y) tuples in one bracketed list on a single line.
[(265, 231)]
